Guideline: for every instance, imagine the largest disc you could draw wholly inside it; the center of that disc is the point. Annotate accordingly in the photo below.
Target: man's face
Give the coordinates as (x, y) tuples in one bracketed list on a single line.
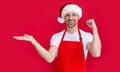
[(71, 19)]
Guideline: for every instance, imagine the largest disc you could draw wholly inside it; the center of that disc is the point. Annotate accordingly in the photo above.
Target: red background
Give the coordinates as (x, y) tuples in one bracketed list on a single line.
[(38, 18)]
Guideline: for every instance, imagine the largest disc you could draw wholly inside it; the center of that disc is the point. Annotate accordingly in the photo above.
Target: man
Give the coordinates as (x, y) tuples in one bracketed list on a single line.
[(70, 46)]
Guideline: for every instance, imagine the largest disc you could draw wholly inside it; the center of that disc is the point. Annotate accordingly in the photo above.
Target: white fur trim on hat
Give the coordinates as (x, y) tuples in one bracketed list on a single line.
[(60, 20), (70, 8)]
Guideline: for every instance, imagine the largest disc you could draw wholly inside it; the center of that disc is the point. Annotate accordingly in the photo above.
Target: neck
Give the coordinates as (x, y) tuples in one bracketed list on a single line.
[(72, 30)]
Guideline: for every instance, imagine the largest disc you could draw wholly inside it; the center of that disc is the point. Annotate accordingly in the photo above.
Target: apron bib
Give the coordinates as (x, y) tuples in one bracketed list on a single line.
[(70, 56)]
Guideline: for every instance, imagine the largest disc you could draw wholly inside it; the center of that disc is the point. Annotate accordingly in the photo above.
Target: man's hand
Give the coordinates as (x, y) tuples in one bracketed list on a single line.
[(26, 37), (91, 23)]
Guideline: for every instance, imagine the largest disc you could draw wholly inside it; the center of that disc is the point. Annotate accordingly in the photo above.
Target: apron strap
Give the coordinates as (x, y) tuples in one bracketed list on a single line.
[(80, 37), (63, 35)]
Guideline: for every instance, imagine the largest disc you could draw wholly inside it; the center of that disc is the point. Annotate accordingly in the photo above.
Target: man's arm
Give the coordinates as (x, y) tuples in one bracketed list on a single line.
[(49, 55), (94, 47)]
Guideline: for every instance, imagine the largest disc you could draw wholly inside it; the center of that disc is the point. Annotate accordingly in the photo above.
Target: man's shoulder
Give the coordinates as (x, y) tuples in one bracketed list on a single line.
[(58, 34), (84, 32)]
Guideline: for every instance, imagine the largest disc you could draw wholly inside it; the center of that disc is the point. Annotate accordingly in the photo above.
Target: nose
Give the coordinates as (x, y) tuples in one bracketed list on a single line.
[(70, 17)]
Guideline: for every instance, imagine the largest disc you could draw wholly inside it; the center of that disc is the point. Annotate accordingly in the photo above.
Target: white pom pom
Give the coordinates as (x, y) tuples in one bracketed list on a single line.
[(60, 20)]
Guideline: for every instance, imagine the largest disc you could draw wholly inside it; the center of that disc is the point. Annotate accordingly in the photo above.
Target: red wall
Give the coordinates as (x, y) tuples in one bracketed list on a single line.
[(38, 18)]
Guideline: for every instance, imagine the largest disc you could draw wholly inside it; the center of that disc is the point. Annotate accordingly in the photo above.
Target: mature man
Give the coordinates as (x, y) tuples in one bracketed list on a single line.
[(70, 46)]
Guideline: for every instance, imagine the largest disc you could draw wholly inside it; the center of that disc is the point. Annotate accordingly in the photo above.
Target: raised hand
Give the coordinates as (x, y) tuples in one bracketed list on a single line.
[(25, 37), (91, 23)]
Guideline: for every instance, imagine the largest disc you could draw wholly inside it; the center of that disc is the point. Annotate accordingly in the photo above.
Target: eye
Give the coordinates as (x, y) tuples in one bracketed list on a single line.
[(67, 15), (74, 14)]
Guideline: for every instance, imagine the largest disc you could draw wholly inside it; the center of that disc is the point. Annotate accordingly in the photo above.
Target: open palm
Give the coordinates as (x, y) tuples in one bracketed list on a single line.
[(25, 37)]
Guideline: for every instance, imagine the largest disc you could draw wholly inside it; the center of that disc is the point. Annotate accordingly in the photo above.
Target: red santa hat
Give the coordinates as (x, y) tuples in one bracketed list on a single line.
[(69, 8)]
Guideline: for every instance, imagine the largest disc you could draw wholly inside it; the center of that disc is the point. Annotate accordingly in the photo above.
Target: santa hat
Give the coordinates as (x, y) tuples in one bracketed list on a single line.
[(69, 8)]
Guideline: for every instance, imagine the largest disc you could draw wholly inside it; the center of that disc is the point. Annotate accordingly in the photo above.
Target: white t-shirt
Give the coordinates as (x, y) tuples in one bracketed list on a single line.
[(86, 37)]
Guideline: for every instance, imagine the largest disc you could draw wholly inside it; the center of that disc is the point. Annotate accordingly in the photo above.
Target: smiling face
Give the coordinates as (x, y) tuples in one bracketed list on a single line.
[(71, 19)]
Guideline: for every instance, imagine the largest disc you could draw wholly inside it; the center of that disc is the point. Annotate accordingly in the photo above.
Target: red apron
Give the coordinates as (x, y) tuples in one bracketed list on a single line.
[(70, 56)]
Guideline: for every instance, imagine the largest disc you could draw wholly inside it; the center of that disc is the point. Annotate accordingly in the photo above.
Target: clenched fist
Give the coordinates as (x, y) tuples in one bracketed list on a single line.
[(91, 23)]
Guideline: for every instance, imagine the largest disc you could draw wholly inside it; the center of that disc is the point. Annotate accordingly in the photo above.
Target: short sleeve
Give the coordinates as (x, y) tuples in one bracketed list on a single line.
[(54, 40), (88, 37)]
